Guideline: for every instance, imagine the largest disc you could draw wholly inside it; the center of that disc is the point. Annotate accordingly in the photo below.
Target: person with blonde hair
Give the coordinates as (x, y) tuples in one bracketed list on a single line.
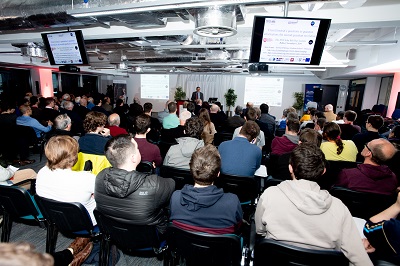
[(57, 181), (209, 128)]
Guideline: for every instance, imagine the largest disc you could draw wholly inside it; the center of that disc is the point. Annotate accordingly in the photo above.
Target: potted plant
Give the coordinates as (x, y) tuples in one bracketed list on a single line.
[(299, 101), (230, 99), (179, 94)]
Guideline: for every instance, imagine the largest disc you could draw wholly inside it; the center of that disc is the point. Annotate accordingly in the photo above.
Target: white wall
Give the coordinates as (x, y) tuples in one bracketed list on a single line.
[(291, 84), (371, 92)]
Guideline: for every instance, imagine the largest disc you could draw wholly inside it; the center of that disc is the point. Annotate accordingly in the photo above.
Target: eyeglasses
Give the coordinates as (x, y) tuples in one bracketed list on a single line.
[(366, 146)]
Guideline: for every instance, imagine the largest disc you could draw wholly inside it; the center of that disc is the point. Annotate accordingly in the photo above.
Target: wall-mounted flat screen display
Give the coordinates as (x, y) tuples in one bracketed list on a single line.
[(285, 40), (65, 48)]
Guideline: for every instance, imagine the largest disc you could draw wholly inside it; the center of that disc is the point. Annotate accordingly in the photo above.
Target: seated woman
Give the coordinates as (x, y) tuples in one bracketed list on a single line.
[(336, 149), (209, 128), (57, 181), (96, 135)]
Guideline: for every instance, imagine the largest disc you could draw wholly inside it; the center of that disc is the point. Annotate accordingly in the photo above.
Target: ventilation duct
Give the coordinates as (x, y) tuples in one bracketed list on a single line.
[(217, 21), (31, 49)]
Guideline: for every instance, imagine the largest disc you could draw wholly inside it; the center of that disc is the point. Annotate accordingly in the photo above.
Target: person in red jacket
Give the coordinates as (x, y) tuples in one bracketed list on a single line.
[(113, 125), (289, 140)]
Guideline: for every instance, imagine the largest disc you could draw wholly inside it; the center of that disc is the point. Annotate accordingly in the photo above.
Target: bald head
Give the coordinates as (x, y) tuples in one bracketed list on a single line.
[(114, 120), (328, 107), (214, 109), (381, 150)]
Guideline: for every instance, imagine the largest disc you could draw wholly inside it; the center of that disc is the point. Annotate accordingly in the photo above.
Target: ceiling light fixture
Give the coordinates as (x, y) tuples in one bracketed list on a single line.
[(311, 7)]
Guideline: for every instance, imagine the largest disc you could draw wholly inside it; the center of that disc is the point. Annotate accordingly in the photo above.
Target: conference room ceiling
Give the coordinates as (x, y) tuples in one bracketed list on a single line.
[(157, 36)]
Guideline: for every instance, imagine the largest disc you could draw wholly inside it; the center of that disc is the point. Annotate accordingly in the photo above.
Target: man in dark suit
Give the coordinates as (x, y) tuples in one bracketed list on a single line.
[(197, 95)]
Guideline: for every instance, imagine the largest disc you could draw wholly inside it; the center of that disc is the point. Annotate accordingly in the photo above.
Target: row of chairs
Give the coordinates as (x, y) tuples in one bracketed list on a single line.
[(194, 248)]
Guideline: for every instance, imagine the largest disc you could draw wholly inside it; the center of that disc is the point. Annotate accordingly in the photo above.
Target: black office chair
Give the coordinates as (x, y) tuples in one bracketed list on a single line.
[(181, 176), (26, 138), (244, 187), (128, 237), (270, 182), (203, 249), (145, 167), (18, 205), (69, 218), (220, 137), (362, 204), (272, 252), (333, 168)]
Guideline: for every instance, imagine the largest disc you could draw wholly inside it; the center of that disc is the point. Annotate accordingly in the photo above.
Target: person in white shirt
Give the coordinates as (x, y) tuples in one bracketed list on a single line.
[(57, 181)]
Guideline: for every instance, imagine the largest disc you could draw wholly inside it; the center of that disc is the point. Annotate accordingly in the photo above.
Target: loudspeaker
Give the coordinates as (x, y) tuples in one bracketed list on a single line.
[(318, 94), (258, 67)]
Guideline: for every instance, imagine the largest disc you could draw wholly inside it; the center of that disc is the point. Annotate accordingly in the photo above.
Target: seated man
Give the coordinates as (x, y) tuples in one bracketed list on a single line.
[(62, 126), (373, 124), (113, 125), (127, 195), (289, 140), (26, 120), (298, 211), (148, 151), (348, 128), (240, 156), (179, 155), (235, 121), (171, 120), (372, 176), (204, 207), (383, 232), (251, 115)]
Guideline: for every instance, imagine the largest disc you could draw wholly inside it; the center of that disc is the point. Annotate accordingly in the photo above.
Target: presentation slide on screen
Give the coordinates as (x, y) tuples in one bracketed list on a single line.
[(64, 48), (154, 86), (288, 40), (260, 90)]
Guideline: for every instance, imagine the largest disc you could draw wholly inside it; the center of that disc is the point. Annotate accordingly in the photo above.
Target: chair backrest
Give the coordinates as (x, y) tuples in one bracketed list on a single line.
[(145, 167), (270, 182), (361, 204), (220, 137), (128, 237), (17, 202), (327, 180), (204, 249), (244, 187), (99, 162), (277, 166), (68, 217), (181, 176), (272, 252)]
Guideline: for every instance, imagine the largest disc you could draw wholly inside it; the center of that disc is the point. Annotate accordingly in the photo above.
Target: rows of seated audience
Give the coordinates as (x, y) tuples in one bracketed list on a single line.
[(308, 156)]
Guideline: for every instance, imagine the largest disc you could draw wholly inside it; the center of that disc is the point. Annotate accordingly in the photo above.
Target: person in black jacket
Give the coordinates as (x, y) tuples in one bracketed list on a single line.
[(130, 196)]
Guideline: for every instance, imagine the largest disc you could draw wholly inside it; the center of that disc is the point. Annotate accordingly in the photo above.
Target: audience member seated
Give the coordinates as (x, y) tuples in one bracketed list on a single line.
[(62, 126), (155, 125), (36, 111), (171, 120), (234, 121), (81, 108), (148, 151), (285, 115), (98, 106), (306, 116), (26, 120), (209, 128), (90, 103), (130, 196), (336, 149), (251, 115), (347, 127), (372, 176), (96, 135), (267, 118), (113, 125), (240, 156), (77, 121), (289, 140), (339, 118), (203, 207), (298, 211), (57, 181), (161, 115), (179, 154), (11, 175), (107, 104), (191, 108), (198, 106), (315, 114), (248, 105), (319, 125), (329, 114), (382, 233), (122, 110), (50, 112), (217, 116), (373, 124)]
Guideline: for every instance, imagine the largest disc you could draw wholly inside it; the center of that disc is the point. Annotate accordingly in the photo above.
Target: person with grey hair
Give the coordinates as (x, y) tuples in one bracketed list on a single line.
[(113, 125), (235, 121), (77, 121), (62, 126), (329, 114)]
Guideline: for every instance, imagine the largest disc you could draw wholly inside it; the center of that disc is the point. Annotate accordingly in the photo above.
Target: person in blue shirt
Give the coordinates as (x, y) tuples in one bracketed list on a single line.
[(26, 120)]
